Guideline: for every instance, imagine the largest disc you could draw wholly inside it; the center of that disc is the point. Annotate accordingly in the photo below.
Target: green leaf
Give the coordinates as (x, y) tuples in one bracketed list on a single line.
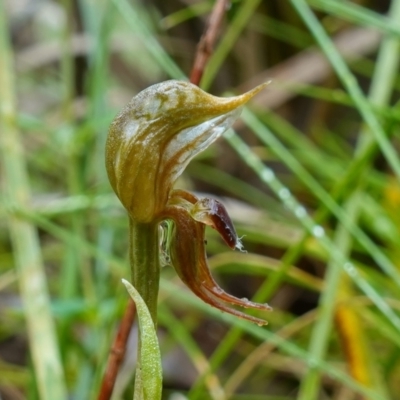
[(148, 385)]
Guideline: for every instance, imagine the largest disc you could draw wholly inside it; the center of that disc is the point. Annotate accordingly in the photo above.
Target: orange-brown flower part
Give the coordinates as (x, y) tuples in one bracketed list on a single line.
[(188, 255), (149, 145)]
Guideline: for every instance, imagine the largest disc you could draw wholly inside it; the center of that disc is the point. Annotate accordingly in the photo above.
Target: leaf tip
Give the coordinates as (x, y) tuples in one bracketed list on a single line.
[(125, 282)]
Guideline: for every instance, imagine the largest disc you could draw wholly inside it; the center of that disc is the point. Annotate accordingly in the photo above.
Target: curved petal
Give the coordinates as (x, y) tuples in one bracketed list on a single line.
[(155, 136), (189, 259)]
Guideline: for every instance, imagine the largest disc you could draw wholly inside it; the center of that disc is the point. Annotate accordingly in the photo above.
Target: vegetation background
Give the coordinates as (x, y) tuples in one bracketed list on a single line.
[(321, 231)]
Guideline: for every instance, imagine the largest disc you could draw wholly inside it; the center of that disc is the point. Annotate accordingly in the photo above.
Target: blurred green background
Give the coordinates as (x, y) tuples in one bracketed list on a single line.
[(321, 232)]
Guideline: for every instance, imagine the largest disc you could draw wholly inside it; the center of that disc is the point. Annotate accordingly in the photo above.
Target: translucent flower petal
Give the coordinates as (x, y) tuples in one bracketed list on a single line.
[(155, 136)]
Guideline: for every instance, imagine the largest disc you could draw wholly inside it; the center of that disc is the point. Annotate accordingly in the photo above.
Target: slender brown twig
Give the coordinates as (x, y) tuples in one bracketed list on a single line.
[(207, 41), (117, 352), (203, 53)]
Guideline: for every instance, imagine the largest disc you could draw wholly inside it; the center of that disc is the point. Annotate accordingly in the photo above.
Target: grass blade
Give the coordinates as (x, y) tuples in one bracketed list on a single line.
[(349, 82), (24, 237)]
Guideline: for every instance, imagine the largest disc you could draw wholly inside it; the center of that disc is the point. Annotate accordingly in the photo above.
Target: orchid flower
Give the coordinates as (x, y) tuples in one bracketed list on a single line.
[(149, 145)]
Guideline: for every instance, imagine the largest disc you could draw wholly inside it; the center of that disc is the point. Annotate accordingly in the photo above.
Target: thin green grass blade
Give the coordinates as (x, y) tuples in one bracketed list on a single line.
[(235, 186), (186, 14), (281, 30), (254, 264), (138, 26), (182, 335), (24, 236), (359, 15), (270, 140), (266, 335), (349, 82), (381, 89), (240, 21), (309, 387), (268, 177)]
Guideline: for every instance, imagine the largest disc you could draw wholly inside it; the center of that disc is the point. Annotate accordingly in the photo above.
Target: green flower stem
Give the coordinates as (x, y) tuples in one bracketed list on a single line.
[(144, 261), (145, 270)]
